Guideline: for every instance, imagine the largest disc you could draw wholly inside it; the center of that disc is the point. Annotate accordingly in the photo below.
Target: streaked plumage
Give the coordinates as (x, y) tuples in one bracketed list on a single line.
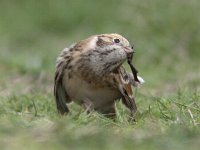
[(91, 74)]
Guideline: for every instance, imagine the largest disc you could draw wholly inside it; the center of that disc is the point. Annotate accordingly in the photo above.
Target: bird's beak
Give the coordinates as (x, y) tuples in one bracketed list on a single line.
[(128, 50)]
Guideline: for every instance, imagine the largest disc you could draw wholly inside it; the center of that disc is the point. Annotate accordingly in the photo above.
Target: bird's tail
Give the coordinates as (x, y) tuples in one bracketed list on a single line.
[(61, 97), (60, 94)]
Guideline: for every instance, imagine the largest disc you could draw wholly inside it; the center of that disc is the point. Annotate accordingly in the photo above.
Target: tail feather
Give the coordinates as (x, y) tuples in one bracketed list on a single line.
[(61, 99), (60, 93)]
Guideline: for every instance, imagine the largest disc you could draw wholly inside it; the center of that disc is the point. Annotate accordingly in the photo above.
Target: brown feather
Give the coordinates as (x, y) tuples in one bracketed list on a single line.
[(126, 90), (59, 92)]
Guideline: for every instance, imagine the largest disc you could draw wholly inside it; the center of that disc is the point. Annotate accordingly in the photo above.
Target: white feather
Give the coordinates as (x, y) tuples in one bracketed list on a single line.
[(141, 80)]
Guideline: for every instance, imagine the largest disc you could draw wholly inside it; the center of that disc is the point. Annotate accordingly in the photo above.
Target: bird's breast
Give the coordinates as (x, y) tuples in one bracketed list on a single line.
[(99, 93)]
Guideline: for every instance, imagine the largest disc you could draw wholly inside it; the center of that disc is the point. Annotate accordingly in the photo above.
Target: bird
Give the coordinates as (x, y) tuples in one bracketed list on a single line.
[(90, 73)]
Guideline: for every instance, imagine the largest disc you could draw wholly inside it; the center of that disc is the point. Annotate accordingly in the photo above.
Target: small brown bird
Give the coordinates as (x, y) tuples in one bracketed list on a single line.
[(91, 74)]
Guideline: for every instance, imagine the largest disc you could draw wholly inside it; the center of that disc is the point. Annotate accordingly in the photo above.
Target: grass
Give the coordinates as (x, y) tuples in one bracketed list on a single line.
[(166, 36)]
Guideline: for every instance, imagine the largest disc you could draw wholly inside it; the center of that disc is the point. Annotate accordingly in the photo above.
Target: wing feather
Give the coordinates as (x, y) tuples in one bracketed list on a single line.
[(126, 90)]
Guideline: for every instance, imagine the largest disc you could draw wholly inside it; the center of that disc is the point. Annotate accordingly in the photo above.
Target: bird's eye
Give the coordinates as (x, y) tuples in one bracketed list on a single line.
[(116, 40)]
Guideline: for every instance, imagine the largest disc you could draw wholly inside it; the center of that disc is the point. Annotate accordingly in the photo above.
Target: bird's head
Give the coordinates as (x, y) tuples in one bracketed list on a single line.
[(113, 44), (110, 50)]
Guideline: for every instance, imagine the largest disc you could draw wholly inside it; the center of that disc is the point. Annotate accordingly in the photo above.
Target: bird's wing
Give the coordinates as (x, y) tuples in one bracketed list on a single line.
[(60, 93), (126, 90)]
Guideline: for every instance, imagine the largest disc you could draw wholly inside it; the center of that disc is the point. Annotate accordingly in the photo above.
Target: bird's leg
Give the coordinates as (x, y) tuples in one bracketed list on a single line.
[(88, 105)]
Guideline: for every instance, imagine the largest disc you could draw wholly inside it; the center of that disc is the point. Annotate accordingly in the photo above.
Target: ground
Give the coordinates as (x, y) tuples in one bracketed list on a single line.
[(166, 38)]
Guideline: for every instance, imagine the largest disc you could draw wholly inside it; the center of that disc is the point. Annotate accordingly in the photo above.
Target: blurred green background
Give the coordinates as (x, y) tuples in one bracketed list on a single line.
[(166, 35)]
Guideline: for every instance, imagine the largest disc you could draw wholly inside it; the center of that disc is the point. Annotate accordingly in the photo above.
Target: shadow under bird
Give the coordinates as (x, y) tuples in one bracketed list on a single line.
[(91, 74)]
